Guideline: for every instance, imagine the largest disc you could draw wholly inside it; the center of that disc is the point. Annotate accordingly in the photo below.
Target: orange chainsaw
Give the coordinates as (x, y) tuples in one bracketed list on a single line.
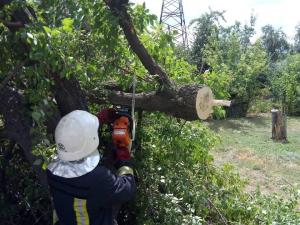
[(121, 125), (121, 133)]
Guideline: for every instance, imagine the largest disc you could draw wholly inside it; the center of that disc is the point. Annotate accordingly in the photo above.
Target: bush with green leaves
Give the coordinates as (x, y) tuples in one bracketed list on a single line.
[(22, 198), (285, 83), (234, 63), (178, 183)]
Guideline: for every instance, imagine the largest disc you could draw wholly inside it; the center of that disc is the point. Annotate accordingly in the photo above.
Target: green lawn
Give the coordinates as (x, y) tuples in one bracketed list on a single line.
[(246, 144)]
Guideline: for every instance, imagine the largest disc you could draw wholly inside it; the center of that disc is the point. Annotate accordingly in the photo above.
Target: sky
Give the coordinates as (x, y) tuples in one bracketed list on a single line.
[(283, 14)]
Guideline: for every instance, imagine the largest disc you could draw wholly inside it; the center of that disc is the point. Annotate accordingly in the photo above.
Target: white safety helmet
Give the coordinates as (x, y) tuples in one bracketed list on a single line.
[(76, 135)]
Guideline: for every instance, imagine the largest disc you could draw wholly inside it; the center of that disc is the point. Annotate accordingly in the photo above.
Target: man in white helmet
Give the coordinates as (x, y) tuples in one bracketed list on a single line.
[(83, 191)]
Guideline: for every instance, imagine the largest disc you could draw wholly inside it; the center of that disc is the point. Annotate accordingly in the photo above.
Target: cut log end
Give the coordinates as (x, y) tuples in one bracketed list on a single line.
[(205, 102)]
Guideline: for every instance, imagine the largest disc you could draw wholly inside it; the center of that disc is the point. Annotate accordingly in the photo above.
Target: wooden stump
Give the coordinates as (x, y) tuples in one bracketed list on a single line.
[(279, 130)]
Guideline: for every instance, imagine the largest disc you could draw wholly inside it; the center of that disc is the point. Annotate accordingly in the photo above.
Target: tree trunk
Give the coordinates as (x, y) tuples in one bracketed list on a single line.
[(279, 129), (237, 109), (17, 125), (68, 94)]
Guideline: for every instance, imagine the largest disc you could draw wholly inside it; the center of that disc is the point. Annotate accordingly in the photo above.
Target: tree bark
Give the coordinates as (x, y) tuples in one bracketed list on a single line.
[(68, 94), (17, 125), (279, 128), (190, 102)]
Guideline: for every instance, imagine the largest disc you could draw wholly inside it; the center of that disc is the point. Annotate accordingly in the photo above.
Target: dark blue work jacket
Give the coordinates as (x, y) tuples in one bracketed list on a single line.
[(89, 199)]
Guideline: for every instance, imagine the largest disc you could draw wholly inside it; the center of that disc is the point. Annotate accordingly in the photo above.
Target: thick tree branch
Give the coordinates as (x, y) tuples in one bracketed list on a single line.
[(17, 24), (68, 94), (125, 21), (190, 102)]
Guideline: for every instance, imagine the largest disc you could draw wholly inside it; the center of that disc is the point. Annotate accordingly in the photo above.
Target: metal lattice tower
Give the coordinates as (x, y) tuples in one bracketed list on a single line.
[(173, 17)]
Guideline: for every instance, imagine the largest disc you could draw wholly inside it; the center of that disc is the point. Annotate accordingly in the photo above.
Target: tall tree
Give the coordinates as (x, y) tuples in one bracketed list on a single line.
[(206, 26), (285, 83), (297, 39), (275, 42), (235, 64)]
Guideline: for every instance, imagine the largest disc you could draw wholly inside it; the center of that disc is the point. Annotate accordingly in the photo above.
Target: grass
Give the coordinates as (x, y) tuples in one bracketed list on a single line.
[(246, 143)]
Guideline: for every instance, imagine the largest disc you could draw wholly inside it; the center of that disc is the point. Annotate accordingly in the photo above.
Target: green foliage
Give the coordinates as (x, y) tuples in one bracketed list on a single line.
[(241, 66), (275, 43), (234, 63), (168, 157), (261, 105), (178, 183), (285, 81), (274, 209), (296, 46), (143, 18), (160, 47), (22, 199), (206, 27)]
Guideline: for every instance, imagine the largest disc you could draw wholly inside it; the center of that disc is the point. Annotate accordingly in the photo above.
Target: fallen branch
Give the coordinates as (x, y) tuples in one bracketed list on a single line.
[(218, 211), (190, 102)]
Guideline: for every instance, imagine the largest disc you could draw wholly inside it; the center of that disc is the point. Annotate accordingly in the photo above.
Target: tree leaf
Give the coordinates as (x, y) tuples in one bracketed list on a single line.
[(36, 116), (30, 35), (67, 24)]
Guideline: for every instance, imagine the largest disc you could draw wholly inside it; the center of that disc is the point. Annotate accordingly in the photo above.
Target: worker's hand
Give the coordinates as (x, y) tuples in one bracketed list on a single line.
[(123, 154), (106, 116), (123, 163)]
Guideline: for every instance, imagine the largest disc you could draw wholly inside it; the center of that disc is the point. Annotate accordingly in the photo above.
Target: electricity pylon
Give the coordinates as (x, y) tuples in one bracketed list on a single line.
[(172, 17)]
